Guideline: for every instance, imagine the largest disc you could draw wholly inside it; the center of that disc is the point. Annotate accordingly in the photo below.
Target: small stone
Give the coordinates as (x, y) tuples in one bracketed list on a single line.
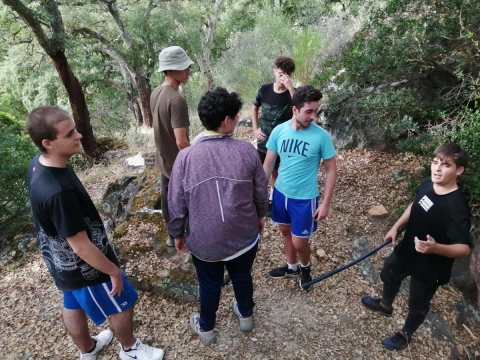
[(398, 175), (378, 211), (460, 349), (357, 290), (321, 254), (149, 340)]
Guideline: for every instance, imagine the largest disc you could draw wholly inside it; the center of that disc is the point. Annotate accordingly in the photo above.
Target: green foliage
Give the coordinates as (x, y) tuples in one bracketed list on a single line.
[(466, 133), (16, 151), (305, 51)]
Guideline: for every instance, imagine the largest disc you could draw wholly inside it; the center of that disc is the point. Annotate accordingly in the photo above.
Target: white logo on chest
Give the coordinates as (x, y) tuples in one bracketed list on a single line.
[(425, 203)]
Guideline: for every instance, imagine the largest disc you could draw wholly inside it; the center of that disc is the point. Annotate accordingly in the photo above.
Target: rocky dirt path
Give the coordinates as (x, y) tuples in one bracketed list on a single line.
[(327, 322)]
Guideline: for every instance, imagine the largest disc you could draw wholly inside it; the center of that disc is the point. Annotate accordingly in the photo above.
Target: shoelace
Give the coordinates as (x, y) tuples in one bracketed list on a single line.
[(146, 349)]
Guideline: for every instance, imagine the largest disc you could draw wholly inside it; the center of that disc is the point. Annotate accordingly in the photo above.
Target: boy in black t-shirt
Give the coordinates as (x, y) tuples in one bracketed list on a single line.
[(438, 232), (275, 100), (74, 243)]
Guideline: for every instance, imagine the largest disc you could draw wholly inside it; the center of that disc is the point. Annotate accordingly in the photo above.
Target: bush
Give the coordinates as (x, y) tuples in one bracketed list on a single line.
[(16, 151)]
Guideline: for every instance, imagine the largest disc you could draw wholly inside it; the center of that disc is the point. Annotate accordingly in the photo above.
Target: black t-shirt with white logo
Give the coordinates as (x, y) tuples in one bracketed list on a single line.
[(61, 208), (446, 218)]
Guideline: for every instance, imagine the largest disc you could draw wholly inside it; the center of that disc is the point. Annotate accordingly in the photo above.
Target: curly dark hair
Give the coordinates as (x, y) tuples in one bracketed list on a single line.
[(215, 105), (305, 94), (285, 64)]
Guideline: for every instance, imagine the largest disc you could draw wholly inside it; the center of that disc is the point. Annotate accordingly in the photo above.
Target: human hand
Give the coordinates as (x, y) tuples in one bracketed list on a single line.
[(286, 81), (259, 134), (180, 245), (321, 212), (425, 246), (392, 234), (261, 225), (117, 283)]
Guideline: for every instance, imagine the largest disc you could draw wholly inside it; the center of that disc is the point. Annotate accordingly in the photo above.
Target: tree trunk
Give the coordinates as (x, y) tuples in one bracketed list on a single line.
[(145, 91), (78, 104), (136, 110)]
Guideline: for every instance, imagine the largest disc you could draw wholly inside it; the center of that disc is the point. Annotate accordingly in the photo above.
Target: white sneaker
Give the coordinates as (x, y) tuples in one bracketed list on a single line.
[(102, 339), (140, 351)]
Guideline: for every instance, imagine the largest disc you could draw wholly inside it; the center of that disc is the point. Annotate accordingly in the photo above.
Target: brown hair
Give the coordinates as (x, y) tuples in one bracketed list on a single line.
[(452, 151), (285, 64), (41, 124)]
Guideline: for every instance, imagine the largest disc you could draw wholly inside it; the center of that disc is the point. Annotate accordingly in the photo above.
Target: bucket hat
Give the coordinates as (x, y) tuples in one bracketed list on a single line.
[(173, 58)]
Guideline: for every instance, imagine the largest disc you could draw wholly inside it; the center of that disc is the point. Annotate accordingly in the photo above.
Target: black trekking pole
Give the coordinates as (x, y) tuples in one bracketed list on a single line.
[(356, 261)]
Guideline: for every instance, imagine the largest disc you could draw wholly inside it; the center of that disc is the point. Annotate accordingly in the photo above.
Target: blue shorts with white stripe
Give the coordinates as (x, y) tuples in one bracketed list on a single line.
[(294, 212), (96, 301)]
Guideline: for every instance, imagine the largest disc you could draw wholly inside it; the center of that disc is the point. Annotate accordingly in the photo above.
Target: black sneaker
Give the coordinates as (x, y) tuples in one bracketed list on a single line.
[(374, 304), (396, 342), (284, 272), (305, 278)]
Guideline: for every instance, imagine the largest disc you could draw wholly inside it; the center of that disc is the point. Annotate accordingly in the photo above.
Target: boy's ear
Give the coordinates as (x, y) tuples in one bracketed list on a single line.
[(47, 144), (460, 170)]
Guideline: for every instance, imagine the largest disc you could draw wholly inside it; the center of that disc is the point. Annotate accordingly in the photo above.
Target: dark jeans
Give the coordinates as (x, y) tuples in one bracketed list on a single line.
[(166, 215), (421, 293), (210, 279)]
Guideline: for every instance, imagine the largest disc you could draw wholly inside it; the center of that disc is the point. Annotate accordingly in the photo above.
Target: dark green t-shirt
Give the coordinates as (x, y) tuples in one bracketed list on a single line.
[(276, 109)]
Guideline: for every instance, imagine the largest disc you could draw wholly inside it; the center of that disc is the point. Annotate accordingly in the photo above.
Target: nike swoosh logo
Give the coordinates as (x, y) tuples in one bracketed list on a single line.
[(133, 357)]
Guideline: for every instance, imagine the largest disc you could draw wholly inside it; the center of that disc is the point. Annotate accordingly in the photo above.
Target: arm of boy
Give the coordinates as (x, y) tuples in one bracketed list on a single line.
[(330, 179), (400, 222), (83, 247), (259, 135), (430, 246), (181, 137), (269, 163)]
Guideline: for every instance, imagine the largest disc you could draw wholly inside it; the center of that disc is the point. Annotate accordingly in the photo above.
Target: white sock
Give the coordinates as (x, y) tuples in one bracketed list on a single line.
[(293, 267), (304, 266)]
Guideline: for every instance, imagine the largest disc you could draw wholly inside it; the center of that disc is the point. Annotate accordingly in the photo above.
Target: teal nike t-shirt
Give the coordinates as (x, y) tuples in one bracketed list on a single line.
[(300, 153)]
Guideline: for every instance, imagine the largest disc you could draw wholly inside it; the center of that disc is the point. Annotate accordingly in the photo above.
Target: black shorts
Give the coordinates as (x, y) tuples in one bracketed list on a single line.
[(262, 159)]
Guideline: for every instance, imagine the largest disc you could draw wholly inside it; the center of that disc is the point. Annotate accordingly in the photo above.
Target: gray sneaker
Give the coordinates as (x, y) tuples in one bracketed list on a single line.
[(170, 242), (207, 337), (246, 323)]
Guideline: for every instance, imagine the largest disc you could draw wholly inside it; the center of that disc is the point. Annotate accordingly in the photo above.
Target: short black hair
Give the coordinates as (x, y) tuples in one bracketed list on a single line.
[(305, 94), (215, 105), (452, 151), (286, 64)]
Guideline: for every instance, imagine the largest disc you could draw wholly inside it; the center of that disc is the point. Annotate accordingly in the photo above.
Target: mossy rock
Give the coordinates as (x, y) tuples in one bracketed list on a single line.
[(178, 284), (107, 143)]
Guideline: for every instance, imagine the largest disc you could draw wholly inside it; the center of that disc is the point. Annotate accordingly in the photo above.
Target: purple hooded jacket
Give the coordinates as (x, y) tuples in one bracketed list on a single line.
[(217, 192)]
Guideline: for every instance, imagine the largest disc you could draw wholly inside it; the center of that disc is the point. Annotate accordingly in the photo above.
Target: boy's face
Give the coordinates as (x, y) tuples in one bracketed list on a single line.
[(444, 171), (67, 142), (306, 114), (181, 76), (280, 75)]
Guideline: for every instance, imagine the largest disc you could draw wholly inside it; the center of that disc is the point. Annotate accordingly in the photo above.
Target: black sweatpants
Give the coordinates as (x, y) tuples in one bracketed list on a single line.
[(421, 293)]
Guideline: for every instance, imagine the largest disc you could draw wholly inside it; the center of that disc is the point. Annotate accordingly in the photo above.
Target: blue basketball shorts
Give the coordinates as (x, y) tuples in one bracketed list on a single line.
[(96, 301), (294, 212)]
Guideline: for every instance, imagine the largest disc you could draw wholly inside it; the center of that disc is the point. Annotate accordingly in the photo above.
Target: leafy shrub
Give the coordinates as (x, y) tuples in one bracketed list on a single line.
[(16, 151)]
